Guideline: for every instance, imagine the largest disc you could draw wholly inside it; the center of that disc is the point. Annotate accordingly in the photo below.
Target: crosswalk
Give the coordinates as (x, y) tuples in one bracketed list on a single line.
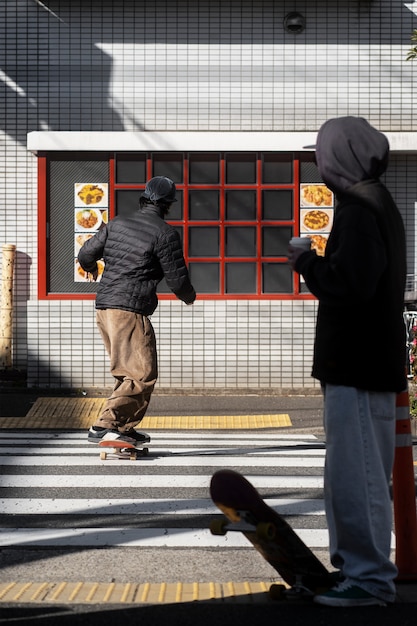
[(55, 491)]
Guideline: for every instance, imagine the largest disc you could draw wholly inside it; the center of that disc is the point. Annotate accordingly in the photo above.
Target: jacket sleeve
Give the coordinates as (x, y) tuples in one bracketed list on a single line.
[(354, 262), (92, 251), (171, 259)]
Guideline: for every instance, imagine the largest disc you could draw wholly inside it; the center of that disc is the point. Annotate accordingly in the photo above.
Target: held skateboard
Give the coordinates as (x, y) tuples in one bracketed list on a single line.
[(270, 534), (121, 450)]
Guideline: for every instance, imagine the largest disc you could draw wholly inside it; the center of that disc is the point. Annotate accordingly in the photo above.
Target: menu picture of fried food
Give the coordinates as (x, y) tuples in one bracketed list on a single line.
[(87, 220), (318, 243), (91, 194), (315, 195), (84, 277), (316, 220), (80, 274)]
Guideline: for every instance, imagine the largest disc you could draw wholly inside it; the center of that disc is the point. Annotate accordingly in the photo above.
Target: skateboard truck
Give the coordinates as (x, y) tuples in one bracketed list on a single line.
[(297, 591), (246, 523)]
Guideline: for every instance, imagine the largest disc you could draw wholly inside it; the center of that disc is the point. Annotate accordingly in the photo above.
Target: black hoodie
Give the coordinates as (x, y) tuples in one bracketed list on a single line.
[(360, 333)]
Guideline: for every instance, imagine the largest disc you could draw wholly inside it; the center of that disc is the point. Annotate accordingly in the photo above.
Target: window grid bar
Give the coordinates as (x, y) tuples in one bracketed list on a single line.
[(222, 238)]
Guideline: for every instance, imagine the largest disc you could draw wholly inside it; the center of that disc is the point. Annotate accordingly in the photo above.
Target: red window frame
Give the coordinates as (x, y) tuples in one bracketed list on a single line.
[(185, 223)]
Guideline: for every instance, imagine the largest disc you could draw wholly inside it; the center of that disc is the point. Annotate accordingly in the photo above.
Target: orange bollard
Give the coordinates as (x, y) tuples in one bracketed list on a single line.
[(404, 494)]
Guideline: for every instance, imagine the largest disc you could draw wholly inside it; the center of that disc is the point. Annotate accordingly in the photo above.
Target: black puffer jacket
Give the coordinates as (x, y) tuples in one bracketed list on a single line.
[(138, 251)]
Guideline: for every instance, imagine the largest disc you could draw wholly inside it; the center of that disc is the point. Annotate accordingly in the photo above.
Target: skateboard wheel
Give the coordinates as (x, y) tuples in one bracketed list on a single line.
[(103, 455), (265, 530), (145, 451), (277, 591), (218, 527)]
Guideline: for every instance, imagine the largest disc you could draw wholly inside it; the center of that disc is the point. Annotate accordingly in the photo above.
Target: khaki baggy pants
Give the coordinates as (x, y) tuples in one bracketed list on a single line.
[(130, 342)]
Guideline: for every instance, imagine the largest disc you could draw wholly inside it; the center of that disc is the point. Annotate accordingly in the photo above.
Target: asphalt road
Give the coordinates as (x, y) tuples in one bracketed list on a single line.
[(306, 414)]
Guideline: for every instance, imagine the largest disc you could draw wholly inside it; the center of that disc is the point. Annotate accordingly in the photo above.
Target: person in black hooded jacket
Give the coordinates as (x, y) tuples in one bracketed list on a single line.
[(138, 251), (359, 355)]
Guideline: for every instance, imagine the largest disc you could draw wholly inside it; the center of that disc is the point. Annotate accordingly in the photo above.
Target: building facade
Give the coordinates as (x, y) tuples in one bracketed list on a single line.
[(221, 96)]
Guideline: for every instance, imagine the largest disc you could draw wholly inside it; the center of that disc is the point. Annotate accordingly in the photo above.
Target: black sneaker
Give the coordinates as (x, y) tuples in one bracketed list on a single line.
[(137, 435), (347, 594), (97, 434)]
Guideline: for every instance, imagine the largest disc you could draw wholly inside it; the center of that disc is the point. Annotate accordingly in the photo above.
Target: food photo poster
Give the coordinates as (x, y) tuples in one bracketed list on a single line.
[(91, 202), (316, 214)]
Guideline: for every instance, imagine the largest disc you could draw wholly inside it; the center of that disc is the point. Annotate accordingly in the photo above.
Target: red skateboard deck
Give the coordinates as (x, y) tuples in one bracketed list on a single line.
[(121, 450), (269, 533)]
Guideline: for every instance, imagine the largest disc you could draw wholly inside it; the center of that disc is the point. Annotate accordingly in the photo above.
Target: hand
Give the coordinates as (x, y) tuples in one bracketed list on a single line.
[(92, 276), (191, 298), (293, 254)]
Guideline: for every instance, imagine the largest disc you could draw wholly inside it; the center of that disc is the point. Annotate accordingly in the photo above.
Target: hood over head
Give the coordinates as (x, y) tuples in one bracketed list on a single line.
[(350, 150)]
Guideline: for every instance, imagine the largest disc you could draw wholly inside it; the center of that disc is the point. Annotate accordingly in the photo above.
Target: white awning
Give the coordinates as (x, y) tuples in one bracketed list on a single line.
[(47, 141)]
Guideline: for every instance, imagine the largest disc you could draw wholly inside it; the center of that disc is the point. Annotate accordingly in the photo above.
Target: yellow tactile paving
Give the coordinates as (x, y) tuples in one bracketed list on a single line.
[(131, 593), (79, 413)]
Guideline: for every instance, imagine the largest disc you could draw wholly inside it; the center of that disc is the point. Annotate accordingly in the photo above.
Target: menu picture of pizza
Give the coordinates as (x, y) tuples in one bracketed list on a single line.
[(316, 220)]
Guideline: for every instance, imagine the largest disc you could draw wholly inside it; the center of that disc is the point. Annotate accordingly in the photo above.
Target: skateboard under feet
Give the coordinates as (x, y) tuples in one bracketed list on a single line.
[(121, 450)]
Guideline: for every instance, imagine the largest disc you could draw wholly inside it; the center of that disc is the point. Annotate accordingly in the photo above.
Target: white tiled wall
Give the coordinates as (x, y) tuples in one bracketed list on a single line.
[(219, 65), (231, 344)]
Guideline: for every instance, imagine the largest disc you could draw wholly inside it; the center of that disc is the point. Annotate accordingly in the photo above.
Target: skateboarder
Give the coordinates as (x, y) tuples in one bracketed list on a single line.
[(138, 250), (359, 356)]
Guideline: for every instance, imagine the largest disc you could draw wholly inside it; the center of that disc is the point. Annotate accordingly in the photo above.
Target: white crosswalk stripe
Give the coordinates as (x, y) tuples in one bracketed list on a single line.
[(55, 490)]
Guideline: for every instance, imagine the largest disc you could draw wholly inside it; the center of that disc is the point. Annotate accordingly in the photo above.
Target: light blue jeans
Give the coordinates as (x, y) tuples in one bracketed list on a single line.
[(360, 446)]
